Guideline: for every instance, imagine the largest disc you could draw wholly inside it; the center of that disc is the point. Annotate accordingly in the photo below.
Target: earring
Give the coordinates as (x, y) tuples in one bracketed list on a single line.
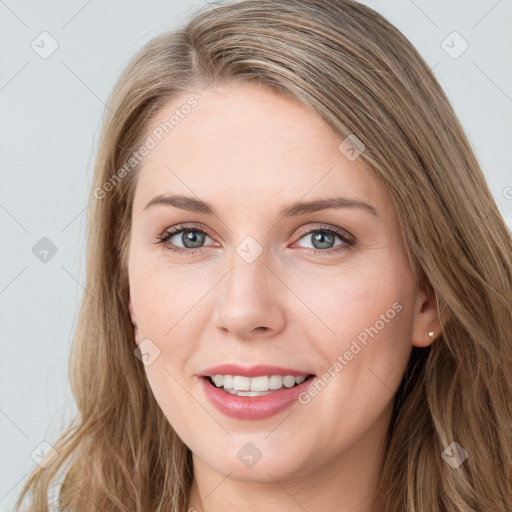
[(431, 334)]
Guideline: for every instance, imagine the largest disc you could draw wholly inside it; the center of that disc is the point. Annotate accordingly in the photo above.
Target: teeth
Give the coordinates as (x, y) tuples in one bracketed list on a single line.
[(240, 383), (289, 381), (276, 382), (248, 393), (257, 385), (227, 381)]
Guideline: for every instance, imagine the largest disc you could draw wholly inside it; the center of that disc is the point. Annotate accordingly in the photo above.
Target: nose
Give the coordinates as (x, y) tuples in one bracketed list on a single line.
[(250, 300)]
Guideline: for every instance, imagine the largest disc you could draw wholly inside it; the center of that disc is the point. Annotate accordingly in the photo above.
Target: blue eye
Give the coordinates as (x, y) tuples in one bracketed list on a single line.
[(192, 238), (322, 238)]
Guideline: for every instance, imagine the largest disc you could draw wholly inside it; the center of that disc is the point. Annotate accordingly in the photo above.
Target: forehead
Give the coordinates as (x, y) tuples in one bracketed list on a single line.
[(246, 139)]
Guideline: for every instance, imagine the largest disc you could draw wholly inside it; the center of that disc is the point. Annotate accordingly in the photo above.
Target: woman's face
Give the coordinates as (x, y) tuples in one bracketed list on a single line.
[(263, 287)]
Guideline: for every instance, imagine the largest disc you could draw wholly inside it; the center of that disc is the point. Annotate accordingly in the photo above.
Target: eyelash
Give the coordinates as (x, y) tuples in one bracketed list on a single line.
[(348, 240)]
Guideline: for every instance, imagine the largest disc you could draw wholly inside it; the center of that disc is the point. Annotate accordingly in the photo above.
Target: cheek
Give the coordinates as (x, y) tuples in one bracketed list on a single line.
[(177, 397), (166, 316), (164, 297), (357, 302), (362, 327)]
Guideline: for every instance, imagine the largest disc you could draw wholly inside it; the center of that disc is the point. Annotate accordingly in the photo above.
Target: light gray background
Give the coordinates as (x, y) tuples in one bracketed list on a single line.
[(50, 112)]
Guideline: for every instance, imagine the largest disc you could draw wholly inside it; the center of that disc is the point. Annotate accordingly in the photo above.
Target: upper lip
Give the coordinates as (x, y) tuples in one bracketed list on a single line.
[(252, 371)]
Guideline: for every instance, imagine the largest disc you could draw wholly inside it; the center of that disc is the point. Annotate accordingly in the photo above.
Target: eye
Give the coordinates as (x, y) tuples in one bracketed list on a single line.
[(323, 239), (192, 237)]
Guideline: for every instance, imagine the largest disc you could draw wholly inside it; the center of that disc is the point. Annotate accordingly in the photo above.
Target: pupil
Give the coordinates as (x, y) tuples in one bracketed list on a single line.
[(195, 238), (319, 237)]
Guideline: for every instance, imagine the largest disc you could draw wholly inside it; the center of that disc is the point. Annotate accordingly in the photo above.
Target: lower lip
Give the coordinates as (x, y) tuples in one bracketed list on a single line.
[(253, 407)]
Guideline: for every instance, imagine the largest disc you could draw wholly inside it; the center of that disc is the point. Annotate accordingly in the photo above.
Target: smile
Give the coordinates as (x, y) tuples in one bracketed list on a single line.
[(249, 403), (241, 385)]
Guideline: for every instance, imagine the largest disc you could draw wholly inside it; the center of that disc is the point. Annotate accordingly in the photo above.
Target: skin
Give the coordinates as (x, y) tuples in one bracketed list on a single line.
[(248, 152)]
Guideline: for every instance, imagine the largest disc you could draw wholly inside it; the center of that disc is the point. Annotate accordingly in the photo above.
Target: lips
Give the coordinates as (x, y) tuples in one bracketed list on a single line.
[(253, 407), (252, 371)]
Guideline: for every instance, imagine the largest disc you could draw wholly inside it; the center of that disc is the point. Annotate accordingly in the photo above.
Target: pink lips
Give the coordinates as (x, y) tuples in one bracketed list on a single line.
[(253, 371), (252, 408)]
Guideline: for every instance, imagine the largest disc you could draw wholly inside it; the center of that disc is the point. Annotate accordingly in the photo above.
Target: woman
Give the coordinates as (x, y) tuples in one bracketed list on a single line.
[(299, 285)]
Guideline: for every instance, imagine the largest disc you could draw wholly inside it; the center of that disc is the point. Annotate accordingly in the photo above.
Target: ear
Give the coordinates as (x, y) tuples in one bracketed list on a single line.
[(132, 313), (426, 319), (134, 321)]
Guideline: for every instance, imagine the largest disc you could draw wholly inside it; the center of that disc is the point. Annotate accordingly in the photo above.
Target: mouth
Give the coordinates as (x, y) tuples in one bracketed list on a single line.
[(262, 385), (255, 397)]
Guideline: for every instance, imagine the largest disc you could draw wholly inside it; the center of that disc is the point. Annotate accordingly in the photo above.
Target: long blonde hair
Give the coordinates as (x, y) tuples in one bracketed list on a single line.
[(350, 66)]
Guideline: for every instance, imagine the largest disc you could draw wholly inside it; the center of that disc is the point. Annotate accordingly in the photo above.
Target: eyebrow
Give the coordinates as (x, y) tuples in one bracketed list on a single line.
[(300, 208)]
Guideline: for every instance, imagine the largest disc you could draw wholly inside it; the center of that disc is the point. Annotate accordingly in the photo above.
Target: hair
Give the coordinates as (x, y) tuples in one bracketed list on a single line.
[(351, 67)]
